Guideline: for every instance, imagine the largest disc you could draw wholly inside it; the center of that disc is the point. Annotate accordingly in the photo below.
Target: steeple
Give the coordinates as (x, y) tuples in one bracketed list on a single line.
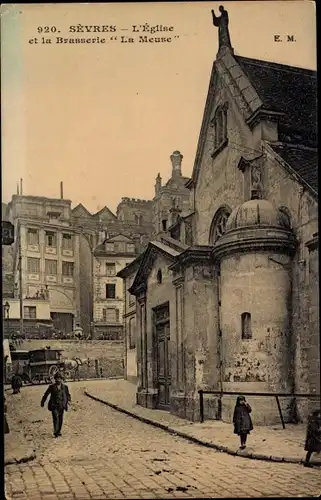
[(224, 41), (176, 159)]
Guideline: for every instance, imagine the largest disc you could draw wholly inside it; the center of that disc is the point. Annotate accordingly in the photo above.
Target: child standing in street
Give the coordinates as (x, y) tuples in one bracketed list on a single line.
[(242, 420), (313, 439)]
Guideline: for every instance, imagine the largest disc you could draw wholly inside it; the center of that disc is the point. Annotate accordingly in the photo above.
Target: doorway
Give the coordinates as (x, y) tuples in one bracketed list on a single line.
[(162, 340)]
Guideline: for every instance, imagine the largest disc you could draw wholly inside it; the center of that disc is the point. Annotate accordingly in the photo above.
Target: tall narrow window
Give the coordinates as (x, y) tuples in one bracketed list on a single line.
[(51, 239), (33, 237), (219, 124), (67, 242), (246, 326), (68, 269), (110, 269), (164, 225), (51, 267), (110, 291), (33, 265)]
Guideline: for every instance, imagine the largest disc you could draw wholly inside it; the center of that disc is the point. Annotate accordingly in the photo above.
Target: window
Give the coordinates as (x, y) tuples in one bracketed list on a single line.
[(132, 333), (218, 226), (111, 315), (130, 248), (68, 269), (109, 247), (30, 312), (110, 291), (159, 276), (164, 225), (110, 269), (51, 267), (67, 242), (119, 247), (33, 237), (246, 326), (219, 123), (33, 265), (51, 239)]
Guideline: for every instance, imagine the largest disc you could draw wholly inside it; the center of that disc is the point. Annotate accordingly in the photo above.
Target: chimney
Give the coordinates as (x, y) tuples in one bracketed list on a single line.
[(61, 190), (21, 187), (176, 159), (18, 188)]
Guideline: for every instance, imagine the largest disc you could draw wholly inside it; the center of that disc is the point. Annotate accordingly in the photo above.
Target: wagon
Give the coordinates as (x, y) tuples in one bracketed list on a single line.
[(44, 364)]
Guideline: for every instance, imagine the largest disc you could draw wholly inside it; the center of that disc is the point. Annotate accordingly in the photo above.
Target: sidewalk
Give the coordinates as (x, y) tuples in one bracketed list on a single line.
[(18, 447), (264, 443)]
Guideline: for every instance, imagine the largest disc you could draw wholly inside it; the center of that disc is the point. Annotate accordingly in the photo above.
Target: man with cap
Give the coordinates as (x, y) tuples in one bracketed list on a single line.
[(58, 402)]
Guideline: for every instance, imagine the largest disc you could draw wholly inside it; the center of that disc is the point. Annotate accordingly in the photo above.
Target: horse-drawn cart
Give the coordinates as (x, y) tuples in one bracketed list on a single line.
[(44, 364)]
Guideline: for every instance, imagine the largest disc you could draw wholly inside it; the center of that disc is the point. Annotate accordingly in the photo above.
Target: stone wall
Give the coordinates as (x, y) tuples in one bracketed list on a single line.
[(105, 357)]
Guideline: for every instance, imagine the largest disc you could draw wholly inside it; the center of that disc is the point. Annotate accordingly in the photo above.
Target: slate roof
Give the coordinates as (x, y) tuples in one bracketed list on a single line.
[(286, 89), (304, 161)]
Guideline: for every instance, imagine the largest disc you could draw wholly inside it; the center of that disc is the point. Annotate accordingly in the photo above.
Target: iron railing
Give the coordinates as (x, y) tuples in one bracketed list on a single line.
[(260, 394)]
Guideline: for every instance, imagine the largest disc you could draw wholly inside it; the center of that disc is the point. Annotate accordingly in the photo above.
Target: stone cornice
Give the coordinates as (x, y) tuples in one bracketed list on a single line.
[(193, 255), (255, 239), (261, 115), (313, 244)]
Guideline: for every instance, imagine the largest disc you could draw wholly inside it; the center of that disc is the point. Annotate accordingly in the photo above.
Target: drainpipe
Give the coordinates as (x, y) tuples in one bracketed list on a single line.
[(220, 340)]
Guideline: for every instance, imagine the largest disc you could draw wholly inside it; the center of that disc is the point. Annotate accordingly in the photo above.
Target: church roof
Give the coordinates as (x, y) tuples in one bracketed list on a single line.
[(153, 249), (289, 90), (303, 160)]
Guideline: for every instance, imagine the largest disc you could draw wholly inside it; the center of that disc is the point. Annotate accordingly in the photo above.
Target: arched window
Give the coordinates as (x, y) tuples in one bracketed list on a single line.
[(159, 276), (219, 124), (246, 326), (285, 217), (218, 226)]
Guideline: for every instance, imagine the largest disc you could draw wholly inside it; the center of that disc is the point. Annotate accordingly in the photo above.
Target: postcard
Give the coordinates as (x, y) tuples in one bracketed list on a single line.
[(160, 250)]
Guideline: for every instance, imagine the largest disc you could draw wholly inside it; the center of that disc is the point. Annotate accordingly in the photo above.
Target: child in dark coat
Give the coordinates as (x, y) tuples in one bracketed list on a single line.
[(313, 438), (242, 420)]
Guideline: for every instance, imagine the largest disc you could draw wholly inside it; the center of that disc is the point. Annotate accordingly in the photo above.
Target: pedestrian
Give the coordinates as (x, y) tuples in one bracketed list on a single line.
[(242, 420), (313, 436), (6, 426), (16, 383), (58, 402)]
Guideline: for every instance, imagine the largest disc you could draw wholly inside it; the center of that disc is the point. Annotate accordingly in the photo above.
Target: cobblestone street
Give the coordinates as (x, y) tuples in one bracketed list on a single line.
[(104, 454)]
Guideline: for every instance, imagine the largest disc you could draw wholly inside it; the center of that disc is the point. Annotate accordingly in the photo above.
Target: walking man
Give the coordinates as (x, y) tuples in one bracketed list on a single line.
[(58, 402)]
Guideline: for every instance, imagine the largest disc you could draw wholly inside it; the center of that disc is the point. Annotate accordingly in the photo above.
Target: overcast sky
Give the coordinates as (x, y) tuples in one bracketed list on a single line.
[(105, 118)]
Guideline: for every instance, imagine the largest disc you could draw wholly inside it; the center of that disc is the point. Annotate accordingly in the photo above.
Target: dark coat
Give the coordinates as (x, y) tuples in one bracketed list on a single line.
[(54, 402), (313, 437), (242, 420)]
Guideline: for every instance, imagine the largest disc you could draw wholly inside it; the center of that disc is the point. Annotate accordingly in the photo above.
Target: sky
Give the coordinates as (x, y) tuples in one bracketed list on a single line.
[(104, 118)]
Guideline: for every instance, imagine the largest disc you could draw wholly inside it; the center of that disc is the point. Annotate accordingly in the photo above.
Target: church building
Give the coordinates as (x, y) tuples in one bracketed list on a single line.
[(227, 294)]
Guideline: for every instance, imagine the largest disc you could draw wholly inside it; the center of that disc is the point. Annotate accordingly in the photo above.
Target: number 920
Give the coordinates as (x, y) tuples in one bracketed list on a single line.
[(46, 29)]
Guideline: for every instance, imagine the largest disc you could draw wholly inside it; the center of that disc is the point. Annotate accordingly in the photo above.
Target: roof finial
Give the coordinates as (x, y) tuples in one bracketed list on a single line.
[(223, 31)]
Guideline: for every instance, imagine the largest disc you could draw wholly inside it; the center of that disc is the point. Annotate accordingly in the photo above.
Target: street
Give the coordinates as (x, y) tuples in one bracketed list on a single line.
[(104, 454)]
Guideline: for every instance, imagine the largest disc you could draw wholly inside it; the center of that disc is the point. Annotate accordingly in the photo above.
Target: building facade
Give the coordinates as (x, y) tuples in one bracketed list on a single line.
[(133, 220), (236, 307), (47, 248), (36, 316), (109, 258), (58, 244)]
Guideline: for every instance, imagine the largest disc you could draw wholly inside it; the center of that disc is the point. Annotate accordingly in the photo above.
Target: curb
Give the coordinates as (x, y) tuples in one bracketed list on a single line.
[(15, 461), (224, 449)]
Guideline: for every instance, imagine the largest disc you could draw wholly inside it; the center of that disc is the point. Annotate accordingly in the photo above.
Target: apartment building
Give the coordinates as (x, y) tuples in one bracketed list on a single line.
[(109, 258), (48, 247)]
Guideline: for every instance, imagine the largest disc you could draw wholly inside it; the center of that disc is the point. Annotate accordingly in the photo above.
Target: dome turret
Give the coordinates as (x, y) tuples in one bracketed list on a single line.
[(255, 213)]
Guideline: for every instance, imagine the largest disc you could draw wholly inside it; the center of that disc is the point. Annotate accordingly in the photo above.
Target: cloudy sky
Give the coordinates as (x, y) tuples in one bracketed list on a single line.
[(104, 118)]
